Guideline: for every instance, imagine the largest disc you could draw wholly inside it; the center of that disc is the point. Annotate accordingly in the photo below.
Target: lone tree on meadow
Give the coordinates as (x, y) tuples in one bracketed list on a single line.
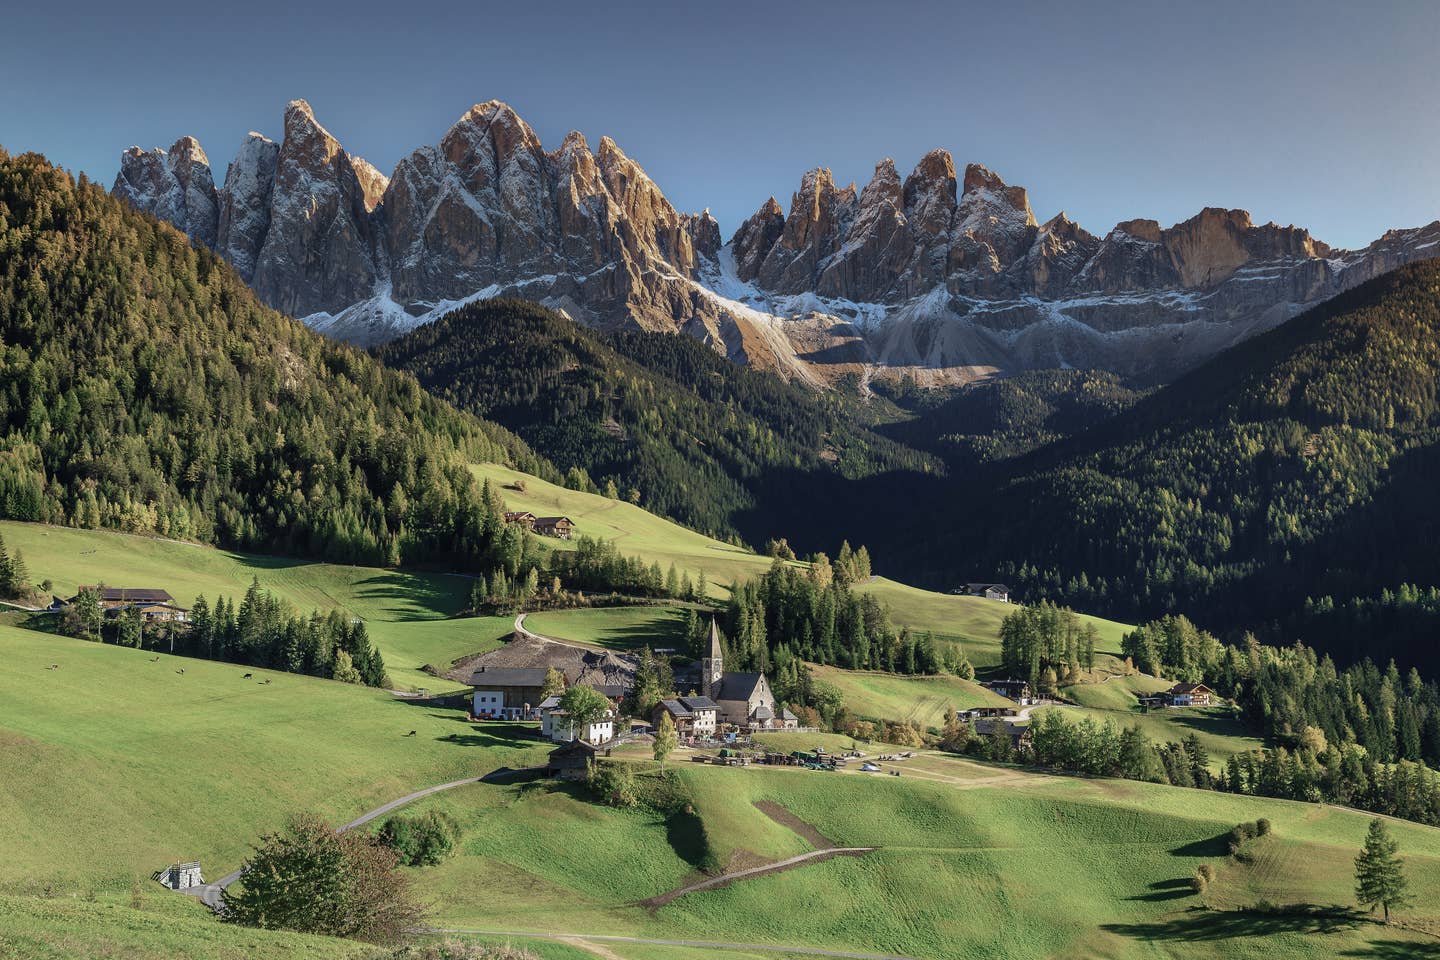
[(665, 739), (313, 880), (1380, 873)]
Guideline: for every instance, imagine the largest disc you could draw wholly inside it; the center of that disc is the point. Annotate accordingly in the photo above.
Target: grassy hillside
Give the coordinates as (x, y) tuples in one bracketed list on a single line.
[(633, 529), (889, 696), (166, 926), (404, 611), (974, 861), (618, 628), (973, 621), (116, 765)]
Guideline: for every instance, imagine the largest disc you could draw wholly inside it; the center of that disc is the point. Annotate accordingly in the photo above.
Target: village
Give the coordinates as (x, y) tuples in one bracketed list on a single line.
[(714, 721)]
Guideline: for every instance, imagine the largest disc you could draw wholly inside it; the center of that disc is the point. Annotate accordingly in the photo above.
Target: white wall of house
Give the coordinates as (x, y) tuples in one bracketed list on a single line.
[(557, 726), (704, 723), (489, 703)]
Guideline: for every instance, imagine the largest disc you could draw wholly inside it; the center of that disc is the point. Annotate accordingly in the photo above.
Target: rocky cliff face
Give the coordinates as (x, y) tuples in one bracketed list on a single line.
[(174, 185), (940, 275)]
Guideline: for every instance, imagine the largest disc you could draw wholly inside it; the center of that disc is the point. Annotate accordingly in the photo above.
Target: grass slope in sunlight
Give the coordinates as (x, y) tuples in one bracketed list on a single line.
[(404, 611), (116, 765)]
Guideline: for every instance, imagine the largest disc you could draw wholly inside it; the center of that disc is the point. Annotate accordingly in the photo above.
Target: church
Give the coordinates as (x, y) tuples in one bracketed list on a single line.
[(745, 699)]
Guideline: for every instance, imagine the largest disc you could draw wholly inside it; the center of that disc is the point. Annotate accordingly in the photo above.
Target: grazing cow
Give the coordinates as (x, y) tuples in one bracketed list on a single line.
[(53, 666), (267, 679), (154, 659), (181, 670), (247, 676), (410, 734)]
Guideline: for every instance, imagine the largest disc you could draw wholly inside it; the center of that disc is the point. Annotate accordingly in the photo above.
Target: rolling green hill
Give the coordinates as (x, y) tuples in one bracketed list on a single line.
[(208, 759), (972, 861), (406, 612)]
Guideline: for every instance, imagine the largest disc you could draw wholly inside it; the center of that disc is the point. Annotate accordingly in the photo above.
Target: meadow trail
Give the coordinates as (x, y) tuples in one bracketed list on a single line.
[(699, 944), (212, 894)]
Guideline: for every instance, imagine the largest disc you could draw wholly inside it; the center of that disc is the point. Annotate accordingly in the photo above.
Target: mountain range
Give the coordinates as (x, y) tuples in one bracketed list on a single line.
[(942, 276)]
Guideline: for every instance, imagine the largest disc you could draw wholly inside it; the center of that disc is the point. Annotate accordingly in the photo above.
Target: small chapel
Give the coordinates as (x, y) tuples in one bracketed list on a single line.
[(745, 700)]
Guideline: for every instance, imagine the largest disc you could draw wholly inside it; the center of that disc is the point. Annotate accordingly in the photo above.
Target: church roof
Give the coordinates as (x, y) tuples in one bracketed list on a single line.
[(738, 686)]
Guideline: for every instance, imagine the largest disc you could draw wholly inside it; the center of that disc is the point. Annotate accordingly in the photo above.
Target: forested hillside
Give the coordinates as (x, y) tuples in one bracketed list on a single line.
[(1007, 417), (657, 419), (144, 388), (1298, 465)]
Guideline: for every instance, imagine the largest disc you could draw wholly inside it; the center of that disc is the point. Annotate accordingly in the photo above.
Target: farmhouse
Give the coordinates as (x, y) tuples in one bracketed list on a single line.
[(1017, 734), (1017, 690), (508, 682), (156, 606), (1189, 695), (556, 725), (572, 761), (553, 527), (525, 518), (508, 693), (990, 591), (692, 716), (743, 699)]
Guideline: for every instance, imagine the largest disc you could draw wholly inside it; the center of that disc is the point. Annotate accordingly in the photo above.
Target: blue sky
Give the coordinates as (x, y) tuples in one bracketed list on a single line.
[(1320, 114)]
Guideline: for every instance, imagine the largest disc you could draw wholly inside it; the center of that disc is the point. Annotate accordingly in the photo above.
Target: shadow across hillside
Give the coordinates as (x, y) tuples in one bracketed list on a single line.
[(1199, 924), (1216, 846), (1162, 890), (1395, 950)]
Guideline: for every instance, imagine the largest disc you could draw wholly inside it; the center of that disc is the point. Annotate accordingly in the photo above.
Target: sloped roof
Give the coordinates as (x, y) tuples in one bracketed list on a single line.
[(763, 712), (132, 594), (717, 652), (738, 686), (508, 677), (604, 670), (700, 703)]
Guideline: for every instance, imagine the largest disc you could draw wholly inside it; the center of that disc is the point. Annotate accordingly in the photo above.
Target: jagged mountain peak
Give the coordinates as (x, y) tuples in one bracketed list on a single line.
[(945, 274)]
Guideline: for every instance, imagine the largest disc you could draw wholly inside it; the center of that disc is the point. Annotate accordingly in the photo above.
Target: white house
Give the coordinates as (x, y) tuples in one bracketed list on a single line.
[(556, 725)]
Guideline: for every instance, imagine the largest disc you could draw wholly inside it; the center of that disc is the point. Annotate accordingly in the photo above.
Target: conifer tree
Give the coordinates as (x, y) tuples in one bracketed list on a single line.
[(1380, 873)]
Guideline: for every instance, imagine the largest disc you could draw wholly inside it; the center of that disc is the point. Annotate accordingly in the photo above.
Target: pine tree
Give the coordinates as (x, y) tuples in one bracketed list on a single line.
[(1380, 873)]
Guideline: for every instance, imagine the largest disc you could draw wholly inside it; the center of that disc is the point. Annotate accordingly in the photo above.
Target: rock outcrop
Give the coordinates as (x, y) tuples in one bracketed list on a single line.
[(942, 276), (175, 185)]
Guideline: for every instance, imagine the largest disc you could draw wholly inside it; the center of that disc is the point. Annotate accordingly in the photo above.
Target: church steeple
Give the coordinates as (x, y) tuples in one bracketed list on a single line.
[(712, 665)]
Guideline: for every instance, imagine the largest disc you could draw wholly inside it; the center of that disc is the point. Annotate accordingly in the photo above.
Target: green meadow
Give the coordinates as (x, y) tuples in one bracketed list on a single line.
[(634, 531), (972, 861), (615, 628), (116, 764), (921, 700), (406, 613), (973, 622)]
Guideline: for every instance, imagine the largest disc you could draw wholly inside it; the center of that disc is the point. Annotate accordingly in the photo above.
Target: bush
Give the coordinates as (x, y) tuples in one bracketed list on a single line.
[(1206, 871), (612, 783), (351, 887), (1263, 827), (421, 841)]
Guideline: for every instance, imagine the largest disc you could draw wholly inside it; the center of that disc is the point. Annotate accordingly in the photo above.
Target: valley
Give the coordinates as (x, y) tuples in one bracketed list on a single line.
[(472, 555)]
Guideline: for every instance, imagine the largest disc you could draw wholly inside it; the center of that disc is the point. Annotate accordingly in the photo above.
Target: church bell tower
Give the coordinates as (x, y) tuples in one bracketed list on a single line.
[(712, 665)]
